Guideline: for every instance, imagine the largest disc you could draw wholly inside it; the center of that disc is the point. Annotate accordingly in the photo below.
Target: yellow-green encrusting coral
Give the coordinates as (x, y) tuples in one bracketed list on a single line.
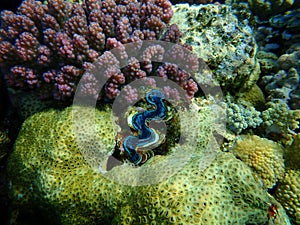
[(27, 103), (264, 156), (48, 170), (288, 194)]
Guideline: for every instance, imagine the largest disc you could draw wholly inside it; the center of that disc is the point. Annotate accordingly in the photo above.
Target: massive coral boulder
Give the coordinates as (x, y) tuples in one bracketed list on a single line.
[(223, 38), (48, 173)]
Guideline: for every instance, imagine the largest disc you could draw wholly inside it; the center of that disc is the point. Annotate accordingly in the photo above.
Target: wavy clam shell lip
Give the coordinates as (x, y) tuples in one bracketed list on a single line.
[(188, 122), (147, 137)]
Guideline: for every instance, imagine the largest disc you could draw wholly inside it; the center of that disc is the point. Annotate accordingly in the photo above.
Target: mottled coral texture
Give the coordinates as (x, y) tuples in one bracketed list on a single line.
[(283, 86), (4, 141), (266, 8), (280, 121), (264, 156), (55, 169), (191, 2), (47, 47), (222, 37), (288, 194), (241, 116)]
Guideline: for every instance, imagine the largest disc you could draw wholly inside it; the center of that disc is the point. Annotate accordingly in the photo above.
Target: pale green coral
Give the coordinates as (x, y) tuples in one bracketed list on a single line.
[(223, 39), (242, 116), (47, 169), (279, 119)]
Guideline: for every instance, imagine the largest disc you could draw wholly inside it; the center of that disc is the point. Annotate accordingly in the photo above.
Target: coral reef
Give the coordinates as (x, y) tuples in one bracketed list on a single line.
[(283, 86), (264, 156), (178, 65), (254, 96), (242, 116), (292, 154), (288, 194), (191, 2), (280, 122), (279, 33), (223, 38), (268, 62), (47, 47), (27, 104), (279, 58), (291, 59), (274, 119), (65, 172), (266, 8), (47, 170), (287, 26)]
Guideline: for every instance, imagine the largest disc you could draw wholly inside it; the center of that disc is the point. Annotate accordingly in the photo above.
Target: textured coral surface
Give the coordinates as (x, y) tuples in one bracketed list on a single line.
[(265, 157), (47, 170), (60, 172), (46, 47), (222, 39), (288, 194), (266, 8), (292, 153)]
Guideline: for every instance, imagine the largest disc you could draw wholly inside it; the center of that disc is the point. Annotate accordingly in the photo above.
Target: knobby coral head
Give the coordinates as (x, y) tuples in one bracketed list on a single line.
[(47, 47)]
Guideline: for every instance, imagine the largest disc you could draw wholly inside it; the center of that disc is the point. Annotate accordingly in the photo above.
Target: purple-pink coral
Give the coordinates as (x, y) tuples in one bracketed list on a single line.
[(48, 47)]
